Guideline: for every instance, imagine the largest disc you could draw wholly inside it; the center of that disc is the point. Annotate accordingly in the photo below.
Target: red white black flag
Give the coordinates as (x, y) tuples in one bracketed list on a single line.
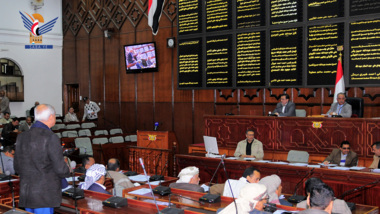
[(154, 14)]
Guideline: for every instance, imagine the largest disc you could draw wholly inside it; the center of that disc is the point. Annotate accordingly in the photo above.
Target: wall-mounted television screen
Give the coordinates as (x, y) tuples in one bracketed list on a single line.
[(140, 58)]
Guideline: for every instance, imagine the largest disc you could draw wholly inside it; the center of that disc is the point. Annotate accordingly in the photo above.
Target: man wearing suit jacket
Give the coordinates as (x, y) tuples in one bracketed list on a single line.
[(341, 107), (376, 158), (342, 156), (285, 107)]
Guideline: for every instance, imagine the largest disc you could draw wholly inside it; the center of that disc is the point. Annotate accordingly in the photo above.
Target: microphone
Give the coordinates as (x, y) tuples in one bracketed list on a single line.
[(156, 126), (212, 198), (298, 198), (157, 177), (349, 192), (228, 180), (10, 183), (168, 210)]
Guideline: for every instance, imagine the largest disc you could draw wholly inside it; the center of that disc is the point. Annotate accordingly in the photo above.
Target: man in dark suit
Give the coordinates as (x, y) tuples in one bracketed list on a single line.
[(341, 107), (95, 178), (40, 164), (343, 156), (285, 107)]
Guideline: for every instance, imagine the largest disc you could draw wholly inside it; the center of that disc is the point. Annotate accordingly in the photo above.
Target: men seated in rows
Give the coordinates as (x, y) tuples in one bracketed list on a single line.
[(120, 181), (320, 200), (343, 156), (250, 175), (250, 147), (71, 116), (339, 206), (6, 118), (26, 126), (95, 178), (9, 132), (7, 160), (341, 107), (188, 180), (251, 199), (274, 189), (376, 157), (285, 108)]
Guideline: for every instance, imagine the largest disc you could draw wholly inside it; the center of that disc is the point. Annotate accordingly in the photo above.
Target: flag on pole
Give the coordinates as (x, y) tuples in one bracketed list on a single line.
[(154, 14), (339, 81)]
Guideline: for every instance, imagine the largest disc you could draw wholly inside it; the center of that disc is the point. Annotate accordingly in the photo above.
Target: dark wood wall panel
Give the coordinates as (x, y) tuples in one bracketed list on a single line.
[(183, 125), (136, 101)]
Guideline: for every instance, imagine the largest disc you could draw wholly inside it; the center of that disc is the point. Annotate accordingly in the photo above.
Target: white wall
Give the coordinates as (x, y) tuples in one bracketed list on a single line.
[(42, 69)]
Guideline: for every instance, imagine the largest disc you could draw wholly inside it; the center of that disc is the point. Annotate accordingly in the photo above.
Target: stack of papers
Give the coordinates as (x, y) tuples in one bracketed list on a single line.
[(376, 170), (314, 166), (139, 178), (298, 164), (280, 162), (357, 168), (340, 168)]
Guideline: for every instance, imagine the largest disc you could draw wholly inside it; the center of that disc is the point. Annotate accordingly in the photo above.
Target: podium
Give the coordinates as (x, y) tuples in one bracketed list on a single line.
[(156, 139), (157, 149)]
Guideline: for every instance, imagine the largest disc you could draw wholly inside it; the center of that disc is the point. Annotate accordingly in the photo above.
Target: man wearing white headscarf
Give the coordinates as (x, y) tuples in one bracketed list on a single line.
[(188, 180), (95, 178), (252, 197), (274, 188)]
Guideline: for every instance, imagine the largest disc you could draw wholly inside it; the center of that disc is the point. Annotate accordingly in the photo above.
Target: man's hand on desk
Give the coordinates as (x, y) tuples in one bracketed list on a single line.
[(326, 163)]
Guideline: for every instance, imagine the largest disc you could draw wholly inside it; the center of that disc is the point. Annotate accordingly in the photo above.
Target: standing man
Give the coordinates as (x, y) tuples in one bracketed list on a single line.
[(31, 111), (40, 164), (250, 147), (285, 107), (4, 103), (342, 156), (376, 158), (91, 110), (341, 107)]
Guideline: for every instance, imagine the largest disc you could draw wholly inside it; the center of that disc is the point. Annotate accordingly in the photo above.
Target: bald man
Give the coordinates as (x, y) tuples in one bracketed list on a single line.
[(120, 181)]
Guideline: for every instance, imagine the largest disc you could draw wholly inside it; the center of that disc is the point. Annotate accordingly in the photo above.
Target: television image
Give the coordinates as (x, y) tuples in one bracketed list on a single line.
[(140, 58)]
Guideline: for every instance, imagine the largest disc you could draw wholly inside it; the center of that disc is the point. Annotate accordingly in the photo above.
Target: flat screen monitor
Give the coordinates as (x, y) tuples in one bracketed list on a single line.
[(140, 58), (211, 144)]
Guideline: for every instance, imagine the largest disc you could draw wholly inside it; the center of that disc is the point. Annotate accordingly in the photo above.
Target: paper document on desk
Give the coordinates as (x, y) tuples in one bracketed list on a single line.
[(158, 202), (70, 179), (156, 182), (376, 170), (141, 191), (205, 187), (141, 178), (339, 168)]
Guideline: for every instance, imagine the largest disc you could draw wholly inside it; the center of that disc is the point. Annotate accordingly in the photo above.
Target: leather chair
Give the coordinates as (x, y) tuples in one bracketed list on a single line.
[(357, 105)]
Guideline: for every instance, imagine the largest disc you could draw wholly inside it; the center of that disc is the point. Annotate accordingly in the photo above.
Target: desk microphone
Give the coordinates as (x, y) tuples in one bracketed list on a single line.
[(114, 201), (13, 210), (228, 181), (168, 210), (349, 192), (212, 198), (156, 126), (298, 198)]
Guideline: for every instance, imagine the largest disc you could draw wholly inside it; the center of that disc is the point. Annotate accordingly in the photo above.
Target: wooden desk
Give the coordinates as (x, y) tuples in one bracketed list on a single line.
[(340, 181), (279, 135), (167, 181), (92, 204)]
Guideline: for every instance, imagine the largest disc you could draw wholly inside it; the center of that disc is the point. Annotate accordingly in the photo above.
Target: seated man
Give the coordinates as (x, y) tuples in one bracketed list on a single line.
[(87, 162), (71, 116), (251, 199), (285, 107), (6, 119), (26, 126), (95, 178), (341, 107), (320, 200), (188, 180), (10, 132), (250, 175), (250, 147), (274, 189), (120, 181), (7, 160), (342, 156), (339, 206), (376, 158)]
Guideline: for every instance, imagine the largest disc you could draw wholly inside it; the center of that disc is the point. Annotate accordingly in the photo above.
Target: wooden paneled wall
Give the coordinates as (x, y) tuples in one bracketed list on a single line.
[(135, 101)]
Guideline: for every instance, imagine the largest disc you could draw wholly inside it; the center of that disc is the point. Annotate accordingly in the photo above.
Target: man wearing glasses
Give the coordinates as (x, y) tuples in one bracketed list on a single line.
[(376, 158), (250, 147), (342, 156)]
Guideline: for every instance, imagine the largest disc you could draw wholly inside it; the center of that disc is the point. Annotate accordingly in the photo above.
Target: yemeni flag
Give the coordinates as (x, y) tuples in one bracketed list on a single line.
[(154, 14), (339, 81)]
